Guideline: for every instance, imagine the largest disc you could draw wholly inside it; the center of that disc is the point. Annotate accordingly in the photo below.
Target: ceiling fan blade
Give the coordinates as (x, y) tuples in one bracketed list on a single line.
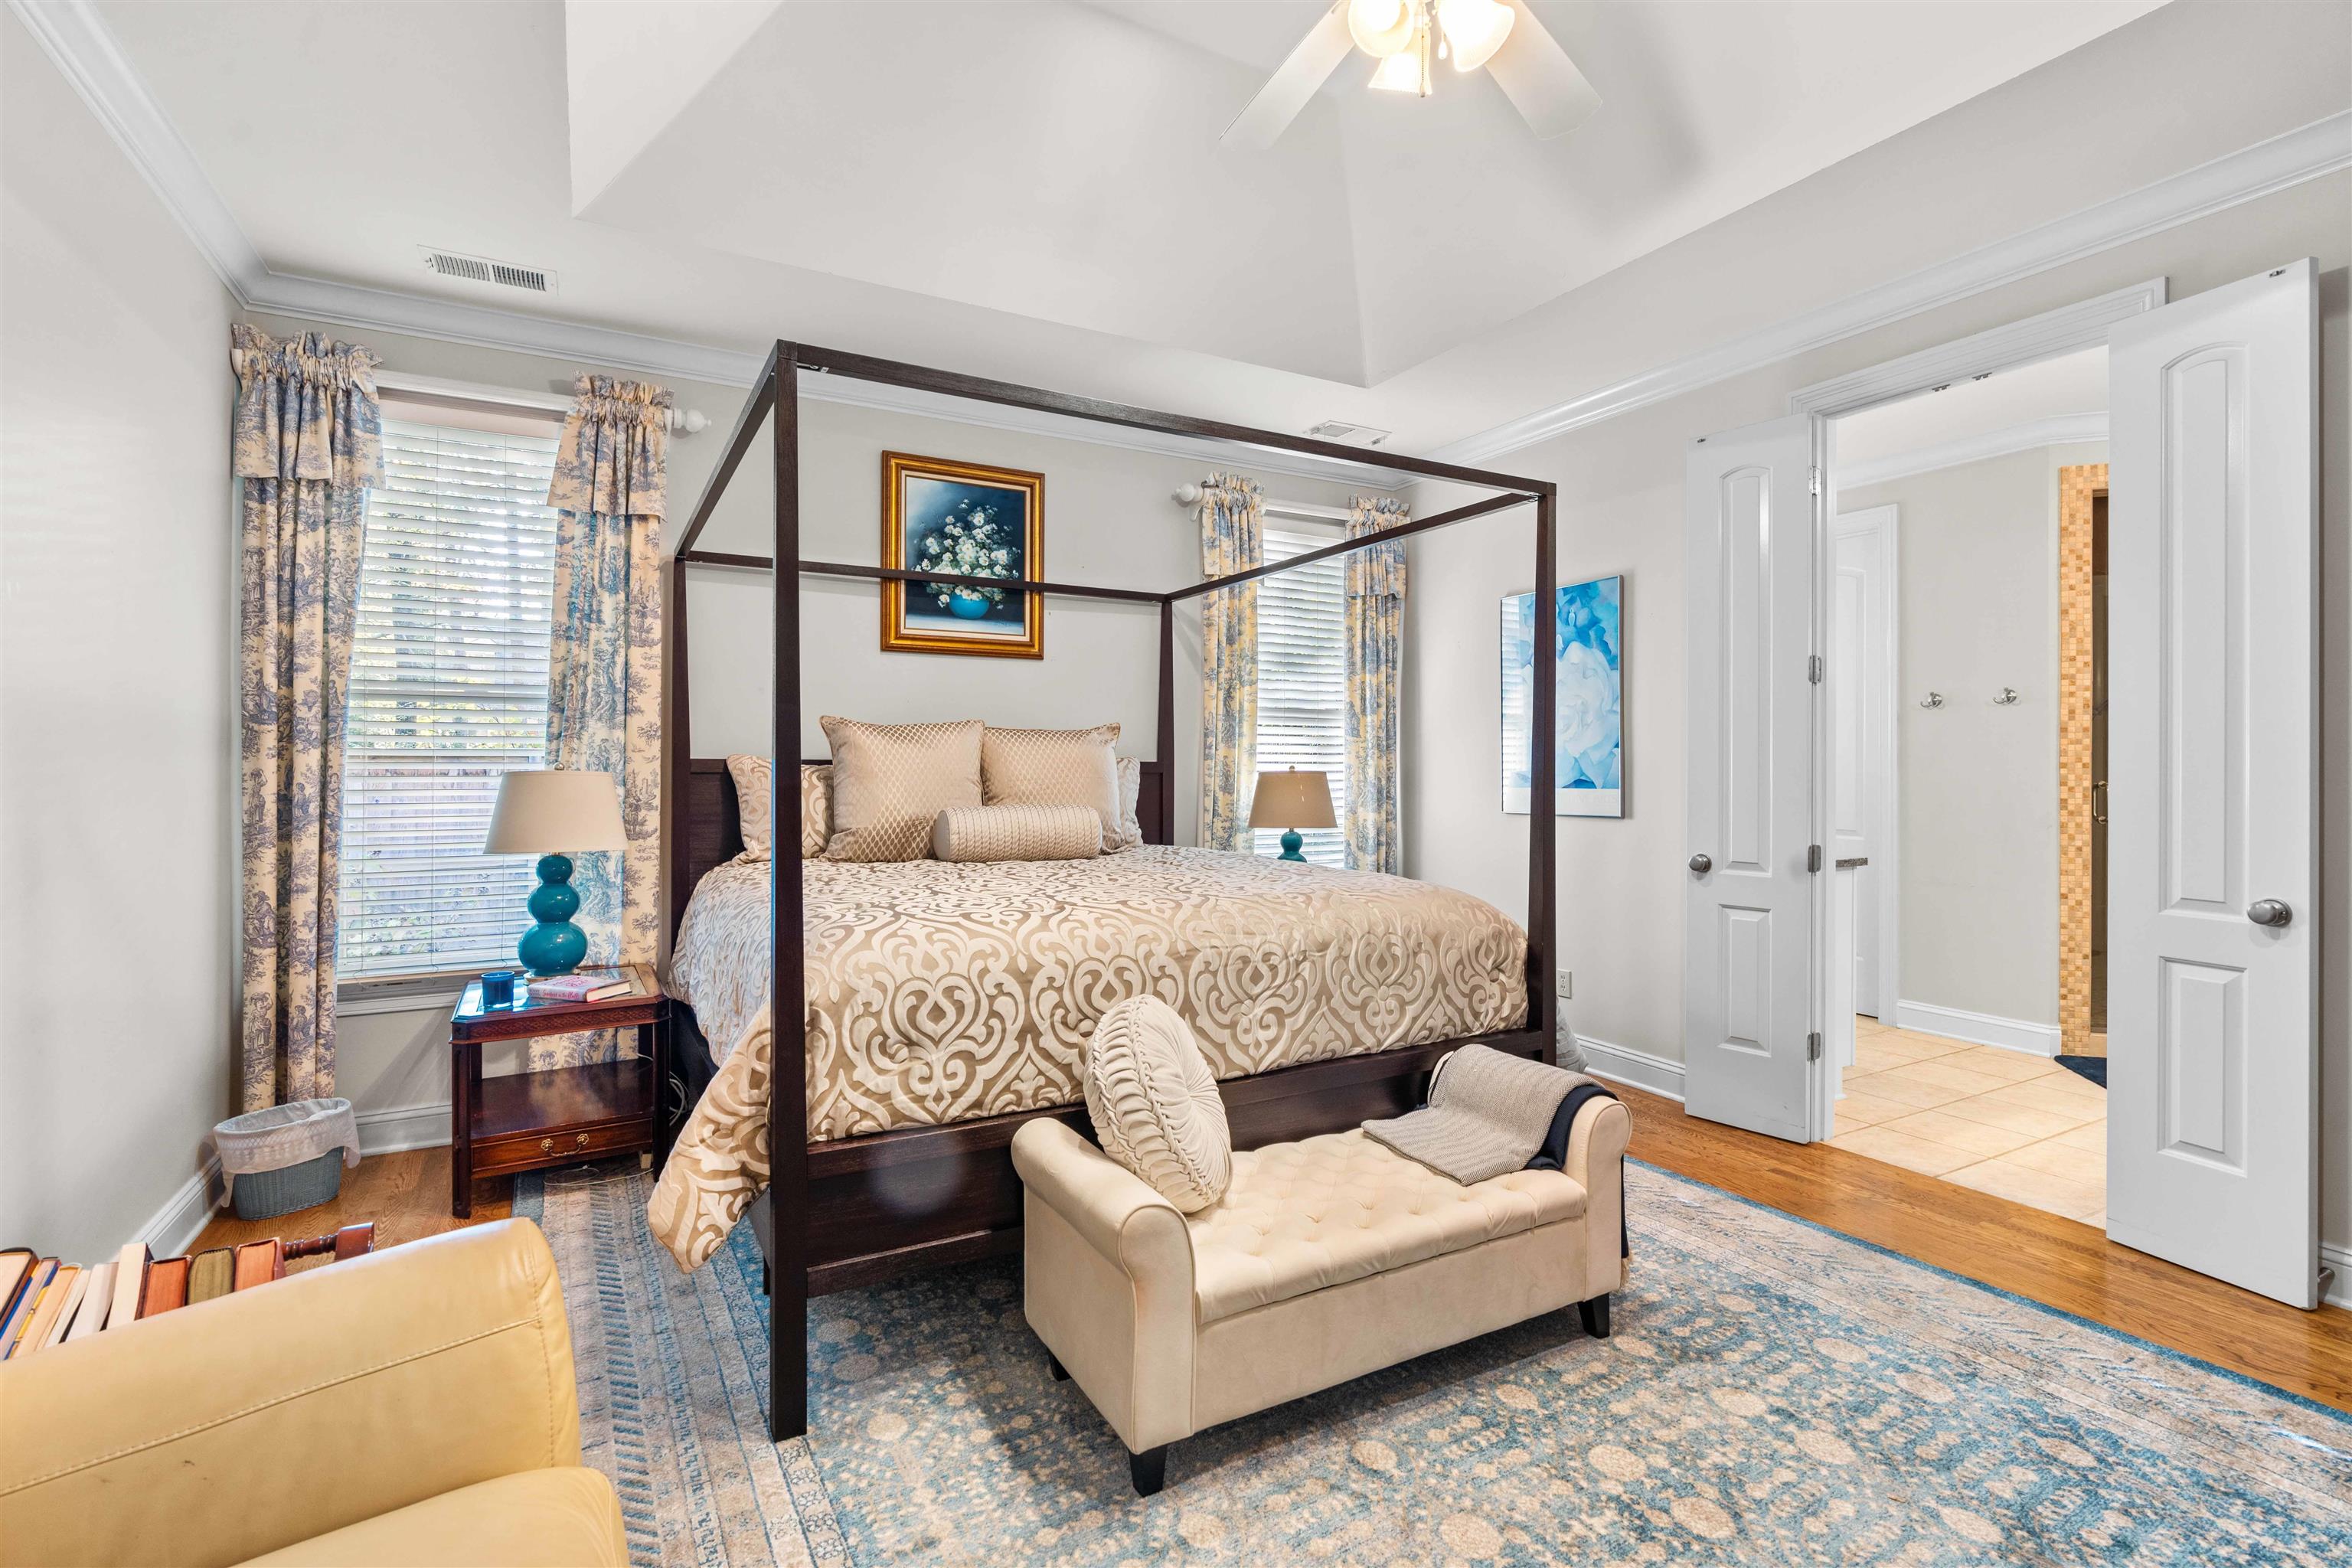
[(1294, 82), (1542, 83)]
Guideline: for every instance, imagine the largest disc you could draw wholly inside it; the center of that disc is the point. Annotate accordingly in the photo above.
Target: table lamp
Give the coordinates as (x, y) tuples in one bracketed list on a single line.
[(1291, 800), (555, 813)]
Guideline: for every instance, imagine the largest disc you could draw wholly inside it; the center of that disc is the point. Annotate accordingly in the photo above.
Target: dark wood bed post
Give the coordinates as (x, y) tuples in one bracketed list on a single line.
[(1165, 743), (787, 1009), (1543, 826)]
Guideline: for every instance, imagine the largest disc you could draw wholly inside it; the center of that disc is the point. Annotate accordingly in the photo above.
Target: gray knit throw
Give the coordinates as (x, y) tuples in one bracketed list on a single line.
[(1487, 1113)]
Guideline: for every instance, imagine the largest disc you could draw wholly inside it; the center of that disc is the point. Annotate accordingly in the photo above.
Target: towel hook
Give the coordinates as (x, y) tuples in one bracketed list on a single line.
[(2007, 697), (1933, 700)]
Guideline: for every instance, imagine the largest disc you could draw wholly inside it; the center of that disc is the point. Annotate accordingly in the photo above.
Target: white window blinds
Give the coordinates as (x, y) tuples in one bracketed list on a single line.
[(1302, 680), (448, 691)]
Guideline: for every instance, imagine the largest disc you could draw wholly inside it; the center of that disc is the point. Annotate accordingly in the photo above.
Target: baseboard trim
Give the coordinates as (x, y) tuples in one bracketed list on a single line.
[(404, 1127), (1623, 1064), (174, 1227), (1979, 1028), (2339, 1259)]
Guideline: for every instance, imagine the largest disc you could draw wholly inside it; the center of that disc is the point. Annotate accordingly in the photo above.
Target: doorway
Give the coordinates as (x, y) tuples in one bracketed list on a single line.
[(1952, 703), (2083, 785)]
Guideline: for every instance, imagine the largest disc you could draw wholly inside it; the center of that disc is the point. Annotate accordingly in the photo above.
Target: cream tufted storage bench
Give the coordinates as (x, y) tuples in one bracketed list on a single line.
[(1326, 1260)]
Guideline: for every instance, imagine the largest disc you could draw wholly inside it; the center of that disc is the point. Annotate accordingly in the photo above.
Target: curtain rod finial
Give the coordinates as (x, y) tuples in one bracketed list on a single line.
[(1187, 495)]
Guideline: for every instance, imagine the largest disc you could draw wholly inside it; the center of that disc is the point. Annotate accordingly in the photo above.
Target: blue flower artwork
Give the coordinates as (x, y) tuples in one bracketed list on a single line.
[(1590, 755), (962, 519)]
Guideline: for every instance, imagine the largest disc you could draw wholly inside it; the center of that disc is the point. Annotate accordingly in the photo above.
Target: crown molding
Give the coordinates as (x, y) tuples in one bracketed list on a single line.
[(2318, 149), (2056, 431)]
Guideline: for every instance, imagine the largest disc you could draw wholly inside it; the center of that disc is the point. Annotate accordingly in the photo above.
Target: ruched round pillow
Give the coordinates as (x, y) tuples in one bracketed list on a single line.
[(1155, 1104)]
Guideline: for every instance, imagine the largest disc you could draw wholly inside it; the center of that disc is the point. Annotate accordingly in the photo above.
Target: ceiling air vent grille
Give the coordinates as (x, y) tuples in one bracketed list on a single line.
[(1352, 434), (482, 270)]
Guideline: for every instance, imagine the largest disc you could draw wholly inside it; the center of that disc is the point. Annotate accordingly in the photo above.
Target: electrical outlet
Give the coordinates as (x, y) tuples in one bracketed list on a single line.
[(1567, 987)]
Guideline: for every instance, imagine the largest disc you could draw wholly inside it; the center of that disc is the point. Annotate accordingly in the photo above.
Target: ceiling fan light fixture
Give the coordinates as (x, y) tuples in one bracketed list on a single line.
[(1476, 28), (1400, 72), (1382, 28)]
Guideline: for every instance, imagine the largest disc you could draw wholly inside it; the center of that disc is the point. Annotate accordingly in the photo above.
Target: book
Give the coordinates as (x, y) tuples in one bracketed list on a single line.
[(130, 1283), (16, 1265), (29, 1300), (50, 1328), (260, 1262), (95, 1301), (167, 1286), (581, 987), (212, 1273)]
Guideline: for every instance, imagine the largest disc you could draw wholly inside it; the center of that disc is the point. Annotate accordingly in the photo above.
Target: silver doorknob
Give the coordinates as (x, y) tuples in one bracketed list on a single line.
[(1701, 864), (2270, 912)]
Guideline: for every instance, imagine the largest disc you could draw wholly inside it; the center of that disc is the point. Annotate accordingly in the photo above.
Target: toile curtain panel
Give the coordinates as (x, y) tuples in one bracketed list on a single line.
[(1374, 635), (604, 657), (306, 443), (1232, 539)]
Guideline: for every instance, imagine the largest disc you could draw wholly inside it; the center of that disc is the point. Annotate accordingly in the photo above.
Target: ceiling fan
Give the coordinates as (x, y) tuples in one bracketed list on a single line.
[(1407, 37)]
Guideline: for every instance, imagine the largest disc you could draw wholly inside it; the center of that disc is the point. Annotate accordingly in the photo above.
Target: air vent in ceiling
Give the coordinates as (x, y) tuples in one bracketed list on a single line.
[(482, 270), (1352, 434)]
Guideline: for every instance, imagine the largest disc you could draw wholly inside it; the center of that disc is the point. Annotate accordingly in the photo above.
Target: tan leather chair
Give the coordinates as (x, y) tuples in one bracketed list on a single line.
[(414, 1406), (1326, 1260)]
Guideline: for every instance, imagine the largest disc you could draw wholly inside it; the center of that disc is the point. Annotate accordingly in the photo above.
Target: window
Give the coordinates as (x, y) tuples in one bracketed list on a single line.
[(448, 691), (1302, 680)]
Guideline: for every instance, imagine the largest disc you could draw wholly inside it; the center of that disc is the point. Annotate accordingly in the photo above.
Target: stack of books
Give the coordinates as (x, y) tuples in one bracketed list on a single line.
[(44, 1302), (594, 987)]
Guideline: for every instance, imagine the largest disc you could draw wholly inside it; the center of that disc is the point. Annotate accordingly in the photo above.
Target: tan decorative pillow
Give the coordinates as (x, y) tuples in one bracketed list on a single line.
[(1155, 1105), (1130, 795), (1056, 767), (753, 777), (891, 782), (1016, 833)]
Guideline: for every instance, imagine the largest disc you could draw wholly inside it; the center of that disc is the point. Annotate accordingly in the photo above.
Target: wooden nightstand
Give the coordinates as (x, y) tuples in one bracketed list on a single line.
[(527, 1122)]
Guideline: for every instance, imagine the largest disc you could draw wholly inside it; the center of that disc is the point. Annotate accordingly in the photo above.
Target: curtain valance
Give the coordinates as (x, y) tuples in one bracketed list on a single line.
[(306, 409), (615, 457)]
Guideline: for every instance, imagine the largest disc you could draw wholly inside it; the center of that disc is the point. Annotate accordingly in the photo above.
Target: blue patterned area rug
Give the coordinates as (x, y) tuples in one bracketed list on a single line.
[(1774, 1394)]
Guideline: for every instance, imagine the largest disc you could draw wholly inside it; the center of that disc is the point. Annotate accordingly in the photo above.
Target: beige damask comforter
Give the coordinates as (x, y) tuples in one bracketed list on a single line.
[(939, 993)]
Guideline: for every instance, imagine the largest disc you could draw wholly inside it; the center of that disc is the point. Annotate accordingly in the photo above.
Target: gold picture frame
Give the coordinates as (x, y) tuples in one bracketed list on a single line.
[(939, 513)]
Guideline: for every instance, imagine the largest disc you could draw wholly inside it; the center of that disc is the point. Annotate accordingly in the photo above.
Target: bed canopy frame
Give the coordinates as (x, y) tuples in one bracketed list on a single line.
[(856, 1211)]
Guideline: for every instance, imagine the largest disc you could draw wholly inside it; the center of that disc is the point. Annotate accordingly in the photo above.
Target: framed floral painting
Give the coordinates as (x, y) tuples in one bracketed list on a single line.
[(963, 520)]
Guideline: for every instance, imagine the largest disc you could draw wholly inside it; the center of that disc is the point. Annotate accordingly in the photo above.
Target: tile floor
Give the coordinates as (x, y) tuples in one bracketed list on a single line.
[(2020, 1127)]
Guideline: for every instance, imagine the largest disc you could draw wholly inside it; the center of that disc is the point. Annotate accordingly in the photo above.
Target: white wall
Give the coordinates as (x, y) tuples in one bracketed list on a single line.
[(1622, 510), (118, 549), (1978, 595)]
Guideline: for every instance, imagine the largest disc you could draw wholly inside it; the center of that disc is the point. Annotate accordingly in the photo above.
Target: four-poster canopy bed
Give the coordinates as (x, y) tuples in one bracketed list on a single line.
[(854, 1210)]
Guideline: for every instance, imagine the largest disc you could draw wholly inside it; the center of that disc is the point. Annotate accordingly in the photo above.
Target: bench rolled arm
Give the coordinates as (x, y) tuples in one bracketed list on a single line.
[(1596, 1159), (1108, 1266)]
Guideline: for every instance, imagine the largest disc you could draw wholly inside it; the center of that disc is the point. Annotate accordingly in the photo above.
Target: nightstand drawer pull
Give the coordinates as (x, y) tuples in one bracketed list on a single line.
[(547, 1145), (580, 1140)]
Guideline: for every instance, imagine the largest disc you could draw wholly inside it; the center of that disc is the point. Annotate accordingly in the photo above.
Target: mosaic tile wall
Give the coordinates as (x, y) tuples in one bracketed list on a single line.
[(2077, 487)]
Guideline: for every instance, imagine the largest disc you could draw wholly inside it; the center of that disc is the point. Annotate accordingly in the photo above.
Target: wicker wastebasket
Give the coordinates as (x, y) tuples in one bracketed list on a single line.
[(288, 1157)]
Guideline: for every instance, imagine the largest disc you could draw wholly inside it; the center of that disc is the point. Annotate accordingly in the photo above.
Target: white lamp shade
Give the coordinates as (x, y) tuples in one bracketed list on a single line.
[(1292, 799), (555, 812)]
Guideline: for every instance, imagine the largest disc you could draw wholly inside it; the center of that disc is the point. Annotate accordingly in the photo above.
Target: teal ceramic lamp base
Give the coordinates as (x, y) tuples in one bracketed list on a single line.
[(553, 946), (1290, 845)]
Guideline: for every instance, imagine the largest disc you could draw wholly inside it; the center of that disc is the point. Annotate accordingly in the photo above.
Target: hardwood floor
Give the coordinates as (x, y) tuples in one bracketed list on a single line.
[(2058, 1262), (2034, 1254)]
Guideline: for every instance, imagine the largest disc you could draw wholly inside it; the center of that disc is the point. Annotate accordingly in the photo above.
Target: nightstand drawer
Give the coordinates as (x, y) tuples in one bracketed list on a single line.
[(523, 1150)]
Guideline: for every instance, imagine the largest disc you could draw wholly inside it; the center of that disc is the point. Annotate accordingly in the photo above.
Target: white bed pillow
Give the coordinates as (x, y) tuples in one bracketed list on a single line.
[(1154, 1102), (983, 833), (1130, 796), (753, 777)]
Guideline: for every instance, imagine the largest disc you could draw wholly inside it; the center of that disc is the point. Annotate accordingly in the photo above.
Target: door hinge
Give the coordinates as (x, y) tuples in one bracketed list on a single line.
[(1812, 856), (1813, 670), (1813, 1047), (1813, 481)]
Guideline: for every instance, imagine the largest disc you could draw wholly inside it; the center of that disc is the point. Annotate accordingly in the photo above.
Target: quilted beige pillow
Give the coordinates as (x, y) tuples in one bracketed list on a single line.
[(1056, 767), (753, 778), (1154, 1102), (891, 782), (975, 833)]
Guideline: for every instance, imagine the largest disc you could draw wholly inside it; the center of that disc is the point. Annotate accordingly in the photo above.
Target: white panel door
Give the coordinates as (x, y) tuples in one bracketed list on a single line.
[(2212, 905), (1747, 970), (1861, 703)]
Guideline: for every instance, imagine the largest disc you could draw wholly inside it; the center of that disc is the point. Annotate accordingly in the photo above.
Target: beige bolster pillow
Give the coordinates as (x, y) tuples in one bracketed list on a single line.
[(1016, 833)]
